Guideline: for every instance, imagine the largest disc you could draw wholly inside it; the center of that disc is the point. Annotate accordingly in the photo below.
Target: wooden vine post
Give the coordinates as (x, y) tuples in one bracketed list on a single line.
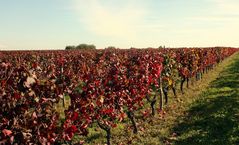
[(160, 93)]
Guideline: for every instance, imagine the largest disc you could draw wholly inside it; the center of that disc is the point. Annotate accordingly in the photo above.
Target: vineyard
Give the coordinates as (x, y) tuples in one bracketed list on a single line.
[(104, 88)]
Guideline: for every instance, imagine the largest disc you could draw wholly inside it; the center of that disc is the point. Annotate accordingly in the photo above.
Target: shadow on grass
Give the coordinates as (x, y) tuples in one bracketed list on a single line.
[(214, 119)]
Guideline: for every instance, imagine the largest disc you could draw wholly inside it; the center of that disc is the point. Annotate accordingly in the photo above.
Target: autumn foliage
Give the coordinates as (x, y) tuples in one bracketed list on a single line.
[(105, 86)]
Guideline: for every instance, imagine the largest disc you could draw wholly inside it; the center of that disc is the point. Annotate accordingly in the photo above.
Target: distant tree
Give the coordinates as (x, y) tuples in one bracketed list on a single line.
[(85, 46), (81, 46), (110, 47), (160, 47), (91, 46), (70, 47)]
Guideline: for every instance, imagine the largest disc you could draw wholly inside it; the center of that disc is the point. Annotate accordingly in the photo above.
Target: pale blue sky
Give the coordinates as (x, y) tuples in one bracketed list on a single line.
[(53, 24)]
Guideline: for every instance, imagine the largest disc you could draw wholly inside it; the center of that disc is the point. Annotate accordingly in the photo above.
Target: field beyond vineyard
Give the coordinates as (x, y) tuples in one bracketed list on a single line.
[(113, 96)]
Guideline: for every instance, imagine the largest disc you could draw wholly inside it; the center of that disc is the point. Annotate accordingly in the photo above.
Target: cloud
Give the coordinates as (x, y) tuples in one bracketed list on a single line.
[(220, 11), (215, 18), (125, 18), (141, 23), (228, 7)]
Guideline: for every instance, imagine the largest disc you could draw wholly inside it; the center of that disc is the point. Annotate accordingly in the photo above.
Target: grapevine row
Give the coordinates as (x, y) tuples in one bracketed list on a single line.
[(105, 87)]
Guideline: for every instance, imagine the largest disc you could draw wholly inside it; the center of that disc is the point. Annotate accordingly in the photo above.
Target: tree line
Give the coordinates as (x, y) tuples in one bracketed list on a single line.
[(80, 46)]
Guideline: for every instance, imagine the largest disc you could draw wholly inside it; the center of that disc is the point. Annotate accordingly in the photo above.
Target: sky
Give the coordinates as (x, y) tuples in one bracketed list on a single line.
[(54, 24)]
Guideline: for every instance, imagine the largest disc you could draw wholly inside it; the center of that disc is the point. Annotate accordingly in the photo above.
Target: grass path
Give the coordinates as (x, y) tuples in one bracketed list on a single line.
[(214, 118)]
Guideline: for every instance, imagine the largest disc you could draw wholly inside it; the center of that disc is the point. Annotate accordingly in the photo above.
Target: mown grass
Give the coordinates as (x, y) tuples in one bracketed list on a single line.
[(214, 118), (205, 114), (60, 106)]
